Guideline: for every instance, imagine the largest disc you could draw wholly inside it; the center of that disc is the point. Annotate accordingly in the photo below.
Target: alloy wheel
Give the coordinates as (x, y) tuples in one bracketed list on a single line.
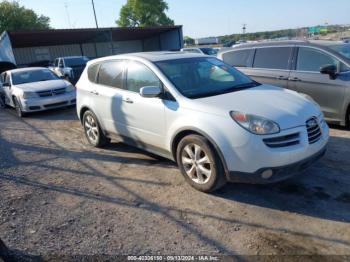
[(196, 163), (91, 129)]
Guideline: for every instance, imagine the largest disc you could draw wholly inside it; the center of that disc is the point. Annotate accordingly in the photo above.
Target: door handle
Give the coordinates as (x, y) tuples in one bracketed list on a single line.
[(295, 79), (128, 100), (94, 92), (282, 78)]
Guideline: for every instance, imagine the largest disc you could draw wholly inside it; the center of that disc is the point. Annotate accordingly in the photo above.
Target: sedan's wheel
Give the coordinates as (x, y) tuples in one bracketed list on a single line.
[(18, 108), (200, 164), (93, 131)]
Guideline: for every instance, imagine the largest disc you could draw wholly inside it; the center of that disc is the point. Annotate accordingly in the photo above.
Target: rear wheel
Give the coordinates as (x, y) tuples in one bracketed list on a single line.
[(200, 164), (93, 130), (18, 108)]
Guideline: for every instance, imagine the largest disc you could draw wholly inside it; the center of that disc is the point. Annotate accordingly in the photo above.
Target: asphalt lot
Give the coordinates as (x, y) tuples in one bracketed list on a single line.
[(60, 196)]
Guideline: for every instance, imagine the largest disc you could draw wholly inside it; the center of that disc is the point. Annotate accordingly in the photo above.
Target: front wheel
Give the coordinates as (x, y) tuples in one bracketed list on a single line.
[(200, 164), (93, 130), (18, 108)]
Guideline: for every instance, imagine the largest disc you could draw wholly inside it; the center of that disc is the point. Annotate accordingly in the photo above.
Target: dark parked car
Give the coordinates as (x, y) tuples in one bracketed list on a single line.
[(318, 69)]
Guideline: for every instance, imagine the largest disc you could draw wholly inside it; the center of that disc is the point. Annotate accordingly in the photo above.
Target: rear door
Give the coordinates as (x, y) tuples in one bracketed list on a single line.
[(271, 65), (106, 95), (307, 79)]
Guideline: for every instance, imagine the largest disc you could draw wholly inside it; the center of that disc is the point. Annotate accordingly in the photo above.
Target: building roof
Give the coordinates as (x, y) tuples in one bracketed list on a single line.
[(77, 36)]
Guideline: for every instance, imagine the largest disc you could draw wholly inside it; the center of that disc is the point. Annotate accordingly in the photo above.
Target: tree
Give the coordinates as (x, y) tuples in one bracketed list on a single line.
[(188, 40), (141, 13), (16, 17)]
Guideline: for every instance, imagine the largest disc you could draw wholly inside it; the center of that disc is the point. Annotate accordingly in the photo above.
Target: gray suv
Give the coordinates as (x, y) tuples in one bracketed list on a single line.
[(318, 69)]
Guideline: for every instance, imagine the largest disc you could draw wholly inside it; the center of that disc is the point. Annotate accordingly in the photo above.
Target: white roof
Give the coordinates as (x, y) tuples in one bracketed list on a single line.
[(152, 56)]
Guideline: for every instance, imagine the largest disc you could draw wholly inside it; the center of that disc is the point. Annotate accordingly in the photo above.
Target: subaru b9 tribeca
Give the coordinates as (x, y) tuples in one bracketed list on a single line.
[(215, 122)]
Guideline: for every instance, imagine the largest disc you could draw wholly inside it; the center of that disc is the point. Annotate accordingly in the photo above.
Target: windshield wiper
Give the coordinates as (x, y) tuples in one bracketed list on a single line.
[(229, 90)]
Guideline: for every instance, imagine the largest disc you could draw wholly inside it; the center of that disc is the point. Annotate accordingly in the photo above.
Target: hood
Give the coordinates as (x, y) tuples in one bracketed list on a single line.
[(43, 85), (286, 108)]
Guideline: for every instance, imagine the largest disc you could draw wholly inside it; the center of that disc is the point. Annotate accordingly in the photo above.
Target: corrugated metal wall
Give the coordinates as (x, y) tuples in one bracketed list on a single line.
[(167, 41)]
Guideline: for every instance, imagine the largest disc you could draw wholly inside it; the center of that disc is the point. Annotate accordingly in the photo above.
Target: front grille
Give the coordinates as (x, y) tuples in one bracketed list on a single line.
[(283, 141), (56, 104), (54, 92), (313, 130)]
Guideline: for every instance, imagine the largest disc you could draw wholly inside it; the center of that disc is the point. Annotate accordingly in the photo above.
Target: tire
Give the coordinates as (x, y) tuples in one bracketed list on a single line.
[(200, 164), (93, 131), (18, 108)]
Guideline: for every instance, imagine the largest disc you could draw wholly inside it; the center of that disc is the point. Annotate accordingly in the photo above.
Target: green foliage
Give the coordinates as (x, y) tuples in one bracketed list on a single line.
[(188, 40), (141, 13), (16, 17)]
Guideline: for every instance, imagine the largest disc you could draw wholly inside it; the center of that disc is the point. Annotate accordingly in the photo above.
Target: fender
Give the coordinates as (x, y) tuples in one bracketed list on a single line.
[(204, 134)]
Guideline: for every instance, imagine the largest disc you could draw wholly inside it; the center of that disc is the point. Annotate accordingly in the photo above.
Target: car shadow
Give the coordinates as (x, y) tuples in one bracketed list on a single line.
[(64, 113), (321, 191)]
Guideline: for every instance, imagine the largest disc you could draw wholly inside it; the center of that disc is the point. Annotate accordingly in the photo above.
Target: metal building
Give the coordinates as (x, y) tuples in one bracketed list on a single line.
[(25, 48)]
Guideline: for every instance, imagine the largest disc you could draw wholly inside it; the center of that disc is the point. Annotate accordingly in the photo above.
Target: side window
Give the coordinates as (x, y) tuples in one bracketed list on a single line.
[(273, 57), (139, 76), (111, 74), (2, 77), (60, 64), (310, 59), (7, 79), (240, 58), (92, 72), (56, 62)]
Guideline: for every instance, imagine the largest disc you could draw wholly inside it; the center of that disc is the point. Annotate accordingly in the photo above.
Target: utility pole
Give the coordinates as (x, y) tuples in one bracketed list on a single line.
[(93, 7), (68, 16), (244, 28)]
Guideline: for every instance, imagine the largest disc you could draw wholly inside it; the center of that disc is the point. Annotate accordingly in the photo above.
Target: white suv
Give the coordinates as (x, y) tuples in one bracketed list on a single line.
[(215, 122)]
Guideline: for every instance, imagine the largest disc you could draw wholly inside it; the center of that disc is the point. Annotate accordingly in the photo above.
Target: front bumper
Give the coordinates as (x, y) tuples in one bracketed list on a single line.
[(255, 162), (278, 173), (46, 103)]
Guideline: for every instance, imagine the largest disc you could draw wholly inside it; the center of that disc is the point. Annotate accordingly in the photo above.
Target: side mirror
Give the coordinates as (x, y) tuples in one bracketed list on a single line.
[(330, 70), (150, 91), (6, 84)]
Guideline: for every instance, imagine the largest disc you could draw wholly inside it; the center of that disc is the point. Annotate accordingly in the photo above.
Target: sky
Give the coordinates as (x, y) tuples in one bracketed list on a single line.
[(202, 18)]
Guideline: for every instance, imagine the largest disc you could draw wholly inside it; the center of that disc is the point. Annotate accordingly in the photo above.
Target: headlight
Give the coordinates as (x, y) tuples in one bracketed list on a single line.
[(256, 124), (27, 95), (70, 88)]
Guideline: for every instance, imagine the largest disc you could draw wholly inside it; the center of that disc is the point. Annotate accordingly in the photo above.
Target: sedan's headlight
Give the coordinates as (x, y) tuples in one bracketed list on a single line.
[(70, 88), (256, 124), (27, 95)]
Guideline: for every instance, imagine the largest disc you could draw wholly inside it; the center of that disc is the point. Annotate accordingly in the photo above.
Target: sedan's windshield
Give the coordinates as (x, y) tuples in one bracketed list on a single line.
[(343, 49), (202, 77), (31, 76)]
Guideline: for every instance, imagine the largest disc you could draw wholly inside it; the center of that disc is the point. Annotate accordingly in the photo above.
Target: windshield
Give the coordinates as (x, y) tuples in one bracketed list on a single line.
[(31, 76), (75, 61), (343, 49), (209, 51), (202, 77)]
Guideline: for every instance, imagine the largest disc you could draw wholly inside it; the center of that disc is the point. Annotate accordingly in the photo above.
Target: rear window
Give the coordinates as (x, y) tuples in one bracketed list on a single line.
[(92, 72), (240, 58), (273, 57), (111, 74)]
